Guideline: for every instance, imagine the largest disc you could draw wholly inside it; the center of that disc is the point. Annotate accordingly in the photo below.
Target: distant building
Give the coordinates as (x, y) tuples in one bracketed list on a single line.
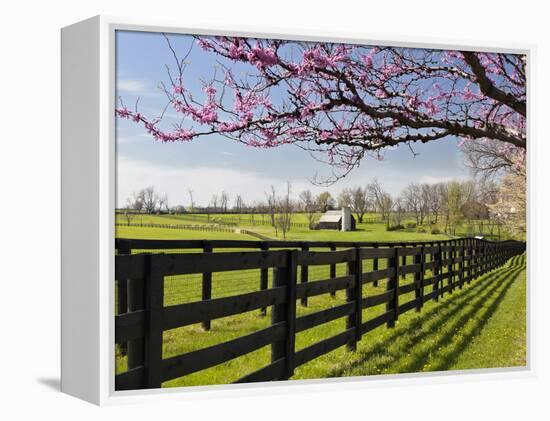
[(341, 220)]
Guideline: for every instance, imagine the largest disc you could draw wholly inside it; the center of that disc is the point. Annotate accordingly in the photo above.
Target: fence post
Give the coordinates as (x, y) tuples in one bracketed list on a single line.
[(207, 284), (436, 271), (355, 294), (136, 301), (122, 291), (461, 265), (264, 278), (304, 275), (393, 284), (286, 312), (419, 279), (154, 302), (403, 261), (451, 266), (375, 266), (333, 270), (482, 257)]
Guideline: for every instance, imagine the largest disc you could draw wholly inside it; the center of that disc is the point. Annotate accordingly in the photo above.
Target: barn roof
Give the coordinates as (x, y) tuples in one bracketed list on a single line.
[(331, 216)]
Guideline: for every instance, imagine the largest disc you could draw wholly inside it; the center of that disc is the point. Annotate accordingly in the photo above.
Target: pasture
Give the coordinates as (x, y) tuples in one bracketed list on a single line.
[(479, 326)]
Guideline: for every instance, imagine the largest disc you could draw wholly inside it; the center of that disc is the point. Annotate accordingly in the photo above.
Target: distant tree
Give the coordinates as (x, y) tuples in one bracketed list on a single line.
[(453, 203), (224, 201), (412, 200), (382, 201), (239, 204), (344, 198), (510, 208), (356, 198), (129, 211), (424, 202), (489, 158), (149, 198), (271, 198), (435, 199), (214, 201), (399, 208), (285, 209), (191, 201), (262, 208), (135, 202), (309, 206), (325, 201), (162, 203)]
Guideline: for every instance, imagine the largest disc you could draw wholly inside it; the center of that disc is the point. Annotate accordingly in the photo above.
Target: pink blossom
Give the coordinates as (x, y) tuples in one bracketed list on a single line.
[(298, 131), (204, 44), (380, 93), (262, 57)]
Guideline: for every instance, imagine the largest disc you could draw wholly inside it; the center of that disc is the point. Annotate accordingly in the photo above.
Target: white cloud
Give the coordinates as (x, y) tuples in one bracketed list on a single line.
[(130, 85), (133, 175), (136, 87)]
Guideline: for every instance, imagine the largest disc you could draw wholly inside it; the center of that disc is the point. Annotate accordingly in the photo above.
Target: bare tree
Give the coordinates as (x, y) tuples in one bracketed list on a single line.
[(162, 202), (192, 202), (387, 205), (356, 199), (412, 200), (490, 158), (271, 198), (435, 199), (309, 206), (135, 202), (224, 201), (239, 203), (214, 202), (399, 207), (129, 212), (359, 202), (149, 198), (285, 209), (424, 202), (344, 198), (262, 208), (382, 201)]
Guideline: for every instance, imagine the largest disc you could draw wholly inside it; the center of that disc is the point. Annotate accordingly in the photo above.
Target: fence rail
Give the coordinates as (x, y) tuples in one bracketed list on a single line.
[(143, 317)]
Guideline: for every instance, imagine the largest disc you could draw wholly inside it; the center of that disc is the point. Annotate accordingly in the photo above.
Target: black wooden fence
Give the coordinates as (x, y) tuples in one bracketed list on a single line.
[(143, 317)]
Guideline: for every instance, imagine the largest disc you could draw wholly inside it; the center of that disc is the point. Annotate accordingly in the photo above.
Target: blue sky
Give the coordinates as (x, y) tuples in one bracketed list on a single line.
[(211, 164)]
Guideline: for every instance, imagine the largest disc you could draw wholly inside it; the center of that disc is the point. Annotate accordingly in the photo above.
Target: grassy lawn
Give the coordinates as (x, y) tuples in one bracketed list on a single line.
[(482, 326), (364, 232)]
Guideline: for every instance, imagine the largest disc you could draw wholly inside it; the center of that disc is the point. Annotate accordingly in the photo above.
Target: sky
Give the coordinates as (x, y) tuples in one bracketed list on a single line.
[(211, 164)]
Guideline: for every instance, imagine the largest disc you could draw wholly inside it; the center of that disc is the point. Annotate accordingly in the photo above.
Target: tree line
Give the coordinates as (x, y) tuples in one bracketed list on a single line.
[(444, 204)]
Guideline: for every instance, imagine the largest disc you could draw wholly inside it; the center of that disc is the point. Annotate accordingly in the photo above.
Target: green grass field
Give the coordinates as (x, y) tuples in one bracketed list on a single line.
[(260, 224), (364, 232), (480, 326)]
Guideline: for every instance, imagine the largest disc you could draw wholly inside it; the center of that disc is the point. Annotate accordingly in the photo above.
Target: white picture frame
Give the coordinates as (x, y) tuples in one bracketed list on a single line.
[(88, 197)]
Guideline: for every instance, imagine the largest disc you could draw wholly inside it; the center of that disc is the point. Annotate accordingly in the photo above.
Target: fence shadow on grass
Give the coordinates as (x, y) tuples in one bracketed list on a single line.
[(490, 288)]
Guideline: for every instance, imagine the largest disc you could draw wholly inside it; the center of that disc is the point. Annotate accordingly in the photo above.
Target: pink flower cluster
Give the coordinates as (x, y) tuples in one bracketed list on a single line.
[(262, 57), (206, 114)]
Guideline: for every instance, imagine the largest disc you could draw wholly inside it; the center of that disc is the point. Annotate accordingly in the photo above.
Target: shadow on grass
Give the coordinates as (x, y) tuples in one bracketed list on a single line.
[(450, 314)]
